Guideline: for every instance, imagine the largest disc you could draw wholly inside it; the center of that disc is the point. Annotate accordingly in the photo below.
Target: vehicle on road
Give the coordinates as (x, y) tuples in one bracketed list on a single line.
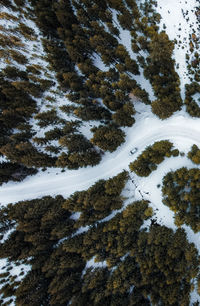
[(133, 151)]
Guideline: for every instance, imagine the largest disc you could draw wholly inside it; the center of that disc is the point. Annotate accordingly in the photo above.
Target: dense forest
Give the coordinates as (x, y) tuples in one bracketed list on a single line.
[(128, 263), (74, 75), (181, 194), (83, 76)]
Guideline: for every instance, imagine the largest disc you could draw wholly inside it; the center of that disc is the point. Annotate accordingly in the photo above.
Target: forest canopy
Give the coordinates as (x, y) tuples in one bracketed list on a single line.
[(84, 73), (181, 194), (152, 156), (129, 266), (76, 77)]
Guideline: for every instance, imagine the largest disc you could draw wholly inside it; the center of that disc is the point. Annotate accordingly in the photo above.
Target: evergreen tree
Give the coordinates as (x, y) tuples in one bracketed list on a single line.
[(168, 263), (108, 137), (181, 194), (153, 155), (123, 116)]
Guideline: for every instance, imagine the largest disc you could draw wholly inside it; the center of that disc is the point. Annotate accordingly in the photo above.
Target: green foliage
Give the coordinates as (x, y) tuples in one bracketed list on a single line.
[(53, 134), (18, 57), (47, 118), (98, 201), (115, 185), (191, 105), (168, 263), (92, 113), (13, 73), (194, 154), (153, 155), (25, 153), (144, 267), (181, 194), (17, 108), (163, 108), (14, 172), (125, 19), (81, 152), (162, 75), (123, 116), (15, 103), (24, 29), (141, 94), (40, 224), (6, 3), (155, 267), (163, 279), (75, 142), (71, 127), (107, 137), (74, 160), (111, 239)]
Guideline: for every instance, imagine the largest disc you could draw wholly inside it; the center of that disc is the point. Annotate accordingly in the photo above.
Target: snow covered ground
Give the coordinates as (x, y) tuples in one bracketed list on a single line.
[(180, 21), (180, 129), (148, 129)]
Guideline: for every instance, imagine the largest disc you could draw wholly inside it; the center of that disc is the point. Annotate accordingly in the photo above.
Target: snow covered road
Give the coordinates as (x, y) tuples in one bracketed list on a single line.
[(183, 131)]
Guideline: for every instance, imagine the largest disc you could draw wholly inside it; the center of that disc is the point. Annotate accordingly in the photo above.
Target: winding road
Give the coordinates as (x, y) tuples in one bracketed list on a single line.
[(182, 131)]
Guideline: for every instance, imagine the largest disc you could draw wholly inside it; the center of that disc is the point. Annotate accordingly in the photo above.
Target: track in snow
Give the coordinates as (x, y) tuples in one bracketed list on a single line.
[(182, 131)]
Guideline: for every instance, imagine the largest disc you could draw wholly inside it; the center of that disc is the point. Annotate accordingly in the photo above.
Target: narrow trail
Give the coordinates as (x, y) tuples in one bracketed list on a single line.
[(182, 131)]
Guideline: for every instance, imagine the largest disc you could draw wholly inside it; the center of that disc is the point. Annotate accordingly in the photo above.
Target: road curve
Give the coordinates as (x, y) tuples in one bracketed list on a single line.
[(182, 131)]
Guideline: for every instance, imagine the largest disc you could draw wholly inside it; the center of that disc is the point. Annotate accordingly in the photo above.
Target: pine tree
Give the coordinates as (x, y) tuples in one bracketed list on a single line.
[(108, 137)]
